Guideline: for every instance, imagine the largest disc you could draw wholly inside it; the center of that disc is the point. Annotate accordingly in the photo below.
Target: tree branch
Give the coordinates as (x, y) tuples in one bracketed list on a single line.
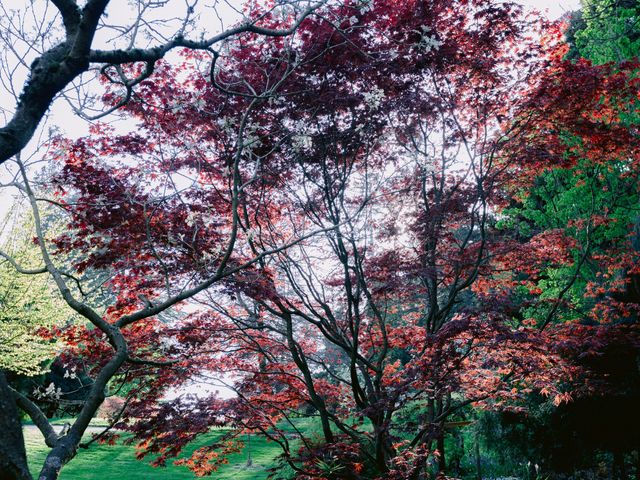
[(39, 419), (52, 71)]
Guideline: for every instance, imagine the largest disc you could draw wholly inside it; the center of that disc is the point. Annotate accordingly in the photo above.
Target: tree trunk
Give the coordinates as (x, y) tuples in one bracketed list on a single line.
[(59, 456), (618, 465), (13, 456), (442, 463), (456, 457)]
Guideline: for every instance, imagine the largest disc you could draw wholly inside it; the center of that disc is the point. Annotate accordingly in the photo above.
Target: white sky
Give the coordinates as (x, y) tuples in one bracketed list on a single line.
[(554, 9)]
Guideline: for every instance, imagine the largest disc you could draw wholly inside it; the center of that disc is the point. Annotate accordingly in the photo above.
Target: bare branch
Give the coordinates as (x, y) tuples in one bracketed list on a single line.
[(39, 419)]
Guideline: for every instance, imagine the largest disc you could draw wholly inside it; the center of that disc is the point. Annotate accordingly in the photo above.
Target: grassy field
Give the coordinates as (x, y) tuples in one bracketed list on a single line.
[(119, 462)]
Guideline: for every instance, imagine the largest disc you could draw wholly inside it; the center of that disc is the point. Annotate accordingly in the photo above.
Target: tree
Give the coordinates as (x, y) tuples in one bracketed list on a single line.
[(144, 209), (352, 326), (328, 202), (28, 307), (54, 57), (28, 304), (573, 216), (55, 61), (605, 31)]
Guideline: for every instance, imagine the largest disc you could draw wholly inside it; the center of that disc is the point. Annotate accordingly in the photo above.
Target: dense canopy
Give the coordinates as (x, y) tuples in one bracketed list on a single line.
[(368, 231)]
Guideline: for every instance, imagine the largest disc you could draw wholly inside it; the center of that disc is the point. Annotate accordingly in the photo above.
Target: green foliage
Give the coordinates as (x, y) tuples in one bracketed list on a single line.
[(606, 31), (595, 202), (596, 205), (27, 303)]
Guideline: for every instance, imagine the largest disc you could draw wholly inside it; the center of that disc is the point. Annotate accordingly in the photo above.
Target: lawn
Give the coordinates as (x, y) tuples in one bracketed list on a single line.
[(118, 461)]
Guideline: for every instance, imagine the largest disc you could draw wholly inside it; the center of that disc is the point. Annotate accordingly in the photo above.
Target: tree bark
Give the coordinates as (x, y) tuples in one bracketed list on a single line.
[(58, 457), (13, 456), (442, 462), (57, 67)]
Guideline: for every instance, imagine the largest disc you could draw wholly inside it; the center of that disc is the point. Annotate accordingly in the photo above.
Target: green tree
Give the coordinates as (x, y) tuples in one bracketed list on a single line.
[(606, 31), (593, 207), (28, 303)]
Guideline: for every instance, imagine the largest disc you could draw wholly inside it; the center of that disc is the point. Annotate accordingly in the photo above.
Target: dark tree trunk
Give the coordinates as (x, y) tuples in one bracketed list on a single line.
[(618, 466), (456, 457), (13, 456), (58, 457), (442, 462)]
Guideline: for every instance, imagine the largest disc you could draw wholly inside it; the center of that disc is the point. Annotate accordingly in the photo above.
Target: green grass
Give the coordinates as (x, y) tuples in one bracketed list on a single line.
[(118, 461)]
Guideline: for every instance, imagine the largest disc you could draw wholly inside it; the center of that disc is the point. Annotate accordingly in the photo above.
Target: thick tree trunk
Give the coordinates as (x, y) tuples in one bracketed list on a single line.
[(456, 457), (383, 447), (13, 456)]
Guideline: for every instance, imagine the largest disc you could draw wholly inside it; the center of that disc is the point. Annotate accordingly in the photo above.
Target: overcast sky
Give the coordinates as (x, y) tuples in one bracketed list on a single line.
[(555, 9)]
